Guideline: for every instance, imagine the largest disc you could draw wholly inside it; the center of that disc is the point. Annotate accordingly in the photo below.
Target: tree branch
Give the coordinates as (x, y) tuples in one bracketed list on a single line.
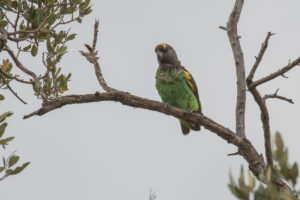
[(261, 102), (18, 63), (11, 90), (264, 46), (265, 121), (14, 78), (239, 64), (91, 56), (280, 72), (276, 96), (256, 162)]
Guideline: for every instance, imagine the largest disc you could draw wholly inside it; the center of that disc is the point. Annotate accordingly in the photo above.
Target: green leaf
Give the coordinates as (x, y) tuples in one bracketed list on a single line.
[(8, 171), (49, 47), (62, 49), (3, 116), (6, 140), (294, 173), (1, 97), (1, 169), (251, 184), (27, 48), (279, 141), (3, 24), (238, 193), (19, 169), (79, 20), (2, 129), (261, 194), (15, 4), (71, 37), (13, 160), (34, 50)]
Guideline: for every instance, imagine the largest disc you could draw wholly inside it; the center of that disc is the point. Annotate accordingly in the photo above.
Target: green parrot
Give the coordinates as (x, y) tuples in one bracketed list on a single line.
[(175, 84)]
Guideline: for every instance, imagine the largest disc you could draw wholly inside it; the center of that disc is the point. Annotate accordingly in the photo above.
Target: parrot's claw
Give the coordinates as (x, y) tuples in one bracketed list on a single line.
[(167, 105), (190, 110)]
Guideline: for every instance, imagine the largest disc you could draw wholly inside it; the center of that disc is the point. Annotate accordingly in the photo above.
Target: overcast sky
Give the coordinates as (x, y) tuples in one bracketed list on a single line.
[(109, 151)]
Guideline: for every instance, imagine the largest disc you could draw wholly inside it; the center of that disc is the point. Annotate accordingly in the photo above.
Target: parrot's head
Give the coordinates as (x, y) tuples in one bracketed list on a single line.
[(166, 54)]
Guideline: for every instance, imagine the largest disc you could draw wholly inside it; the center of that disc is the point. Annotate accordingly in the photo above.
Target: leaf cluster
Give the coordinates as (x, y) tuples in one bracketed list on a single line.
[(268, 190), (39, 27), (8, 163)]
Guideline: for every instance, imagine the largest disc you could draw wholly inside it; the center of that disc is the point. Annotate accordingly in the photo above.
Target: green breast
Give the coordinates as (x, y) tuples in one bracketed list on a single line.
[(173, 89)]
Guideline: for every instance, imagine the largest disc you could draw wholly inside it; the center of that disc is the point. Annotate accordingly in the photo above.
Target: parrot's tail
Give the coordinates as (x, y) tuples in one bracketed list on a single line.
[(185, 127)]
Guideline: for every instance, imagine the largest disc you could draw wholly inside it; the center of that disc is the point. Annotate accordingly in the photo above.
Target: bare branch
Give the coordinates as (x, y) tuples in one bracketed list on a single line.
[(95, 34), (233, 154), (18, 63), (265, 121), (280, 72), (11, 90), (264, 46), (91, 56), (256, 162), (14, 78), (261, 102), (276, 96), (239, 64), (223, 28), (284, 76)]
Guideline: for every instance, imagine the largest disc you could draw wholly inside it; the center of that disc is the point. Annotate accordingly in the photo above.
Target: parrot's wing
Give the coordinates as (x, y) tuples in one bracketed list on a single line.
[(192, 84)]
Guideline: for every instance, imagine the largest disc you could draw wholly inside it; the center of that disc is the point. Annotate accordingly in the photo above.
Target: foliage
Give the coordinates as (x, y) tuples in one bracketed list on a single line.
[(35, 28), (8, 164), (268, 190), (40, 25)]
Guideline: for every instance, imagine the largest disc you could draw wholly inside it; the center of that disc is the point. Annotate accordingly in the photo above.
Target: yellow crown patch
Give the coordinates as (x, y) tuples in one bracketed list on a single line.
[(164, 45)]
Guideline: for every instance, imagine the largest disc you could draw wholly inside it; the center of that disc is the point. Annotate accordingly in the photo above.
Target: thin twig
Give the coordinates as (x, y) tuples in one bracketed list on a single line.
[(18, 63), (264, 46), (14, 78), (91, 56), (276, 96), (233, 154), (223, 28), (10, 89)]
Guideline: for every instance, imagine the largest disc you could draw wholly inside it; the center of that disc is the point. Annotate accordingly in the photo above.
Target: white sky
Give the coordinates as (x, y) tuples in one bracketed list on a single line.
[(109, 151)]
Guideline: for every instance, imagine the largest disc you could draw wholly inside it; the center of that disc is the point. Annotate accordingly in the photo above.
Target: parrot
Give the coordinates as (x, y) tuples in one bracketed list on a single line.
[(175, 85)]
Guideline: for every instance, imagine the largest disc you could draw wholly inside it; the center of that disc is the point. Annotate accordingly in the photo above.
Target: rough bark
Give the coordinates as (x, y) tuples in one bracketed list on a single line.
[(234, 40)]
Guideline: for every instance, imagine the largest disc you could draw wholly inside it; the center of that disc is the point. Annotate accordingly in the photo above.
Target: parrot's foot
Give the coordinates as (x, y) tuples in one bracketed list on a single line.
[(190, 110), (167, 105)]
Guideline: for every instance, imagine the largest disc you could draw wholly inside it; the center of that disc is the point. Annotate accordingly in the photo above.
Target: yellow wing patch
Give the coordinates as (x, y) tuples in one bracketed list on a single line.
[(188, 80), (164, 45)]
